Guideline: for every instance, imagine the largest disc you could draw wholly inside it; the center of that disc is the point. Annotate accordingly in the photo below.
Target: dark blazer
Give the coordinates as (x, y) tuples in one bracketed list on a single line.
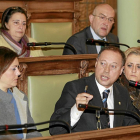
[(88, 119), (78, 40)]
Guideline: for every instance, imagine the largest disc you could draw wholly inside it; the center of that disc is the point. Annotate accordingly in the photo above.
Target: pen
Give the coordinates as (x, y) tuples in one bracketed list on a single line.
[(86, 87)]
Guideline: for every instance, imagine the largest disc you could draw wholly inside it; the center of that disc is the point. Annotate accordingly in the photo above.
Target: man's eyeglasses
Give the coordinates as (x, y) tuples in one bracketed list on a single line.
[(104, 18)]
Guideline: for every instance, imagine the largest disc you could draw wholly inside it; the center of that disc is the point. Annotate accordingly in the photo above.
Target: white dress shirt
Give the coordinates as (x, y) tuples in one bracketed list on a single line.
[(96, 37), (76, 114), (110, 101)]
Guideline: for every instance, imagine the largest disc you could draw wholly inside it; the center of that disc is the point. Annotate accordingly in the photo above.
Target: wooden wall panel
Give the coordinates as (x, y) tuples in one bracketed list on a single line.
[(75, 11), (47, 11)]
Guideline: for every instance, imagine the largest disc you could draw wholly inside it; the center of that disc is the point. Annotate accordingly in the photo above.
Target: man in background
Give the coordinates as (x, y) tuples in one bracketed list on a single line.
[(101, 22)]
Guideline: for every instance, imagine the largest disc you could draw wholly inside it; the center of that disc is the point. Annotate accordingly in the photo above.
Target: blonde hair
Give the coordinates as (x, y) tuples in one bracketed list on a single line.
[(132, 50)]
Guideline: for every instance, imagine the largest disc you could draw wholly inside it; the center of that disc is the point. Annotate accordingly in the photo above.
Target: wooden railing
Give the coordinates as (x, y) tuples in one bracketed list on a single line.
[(53, 65), (119, 133)]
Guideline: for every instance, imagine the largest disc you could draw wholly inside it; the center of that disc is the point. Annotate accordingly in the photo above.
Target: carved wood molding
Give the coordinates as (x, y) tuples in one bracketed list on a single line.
[(76, 17), (83, 67), (22, 81), (22, 69)]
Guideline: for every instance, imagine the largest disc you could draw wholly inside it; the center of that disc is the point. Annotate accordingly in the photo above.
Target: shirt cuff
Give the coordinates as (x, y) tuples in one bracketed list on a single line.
[(75, 115)]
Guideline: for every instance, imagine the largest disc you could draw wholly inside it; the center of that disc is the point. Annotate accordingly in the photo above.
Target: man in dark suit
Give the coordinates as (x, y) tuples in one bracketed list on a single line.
[(108, 68), (101, 22)]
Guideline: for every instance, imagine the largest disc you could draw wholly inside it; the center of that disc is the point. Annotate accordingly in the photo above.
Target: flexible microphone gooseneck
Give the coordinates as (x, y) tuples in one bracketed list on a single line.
[(53, 43), (134, 114), (134, 84), (92, 42), (7, 127)]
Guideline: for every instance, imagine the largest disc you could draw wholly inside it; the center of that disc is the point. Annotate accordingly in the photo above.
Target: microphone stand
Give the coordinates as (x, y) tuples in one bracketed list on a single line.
[(134, 84), (7, 127), (91, 41), (134, 114), (117, 44), (53, 43)]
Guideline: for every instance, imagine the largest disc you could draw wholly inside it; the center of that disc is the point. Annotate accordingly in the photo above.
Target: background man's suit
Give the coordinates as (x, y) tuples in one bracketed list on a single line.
[(88, 119), (78, 40)]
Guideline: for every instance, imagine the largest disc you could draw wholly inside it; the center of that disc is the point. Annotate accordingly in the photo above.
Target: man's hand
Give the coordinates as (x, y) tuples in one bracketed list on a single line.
[(83, 98)]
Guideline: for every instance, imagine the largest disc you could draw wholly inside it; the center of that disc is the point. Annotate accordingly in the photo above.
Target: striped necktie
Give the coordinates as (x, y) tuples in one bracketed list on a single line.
[(105, 96)]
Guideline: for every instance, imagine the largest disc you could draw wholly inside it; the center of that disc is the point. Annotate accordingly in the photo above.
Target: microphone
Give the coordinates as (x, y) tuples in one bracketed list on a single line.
[(85, 106), (53, 43), (89, 107), (134, 84), (92, 42), (39, 44), (7, 127)]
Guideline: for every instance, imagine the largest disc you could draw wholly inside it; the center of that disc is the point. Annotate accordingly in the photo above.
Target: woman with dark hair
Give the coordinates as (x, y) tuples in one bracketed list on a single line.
[(132, 72), (13, 28), (13, 103)]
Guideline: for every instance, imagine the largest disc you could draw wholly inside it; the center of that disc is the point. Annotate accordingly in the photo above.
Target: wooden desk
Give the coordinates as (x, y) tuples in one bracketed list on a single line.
[(119, 133), (52, 65)]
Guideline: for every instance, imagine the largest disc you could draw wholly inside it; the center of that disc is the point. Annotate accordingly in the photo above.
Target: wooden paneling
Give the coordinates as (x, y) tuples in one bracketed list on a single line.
[(75, 11), (47, 11), (52, 65)]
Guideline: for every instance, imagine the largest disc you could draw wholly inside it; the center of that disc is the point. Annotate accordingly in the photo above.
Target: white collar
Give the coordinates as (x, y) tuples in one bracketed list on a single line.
[(95, 36), (102, 88)]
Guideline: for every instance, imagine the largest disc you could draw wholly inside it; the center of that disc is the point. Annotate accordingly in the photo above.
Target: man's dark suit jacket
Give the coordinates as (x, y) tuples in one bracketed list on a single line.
[(78, 40), (88, 119)]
